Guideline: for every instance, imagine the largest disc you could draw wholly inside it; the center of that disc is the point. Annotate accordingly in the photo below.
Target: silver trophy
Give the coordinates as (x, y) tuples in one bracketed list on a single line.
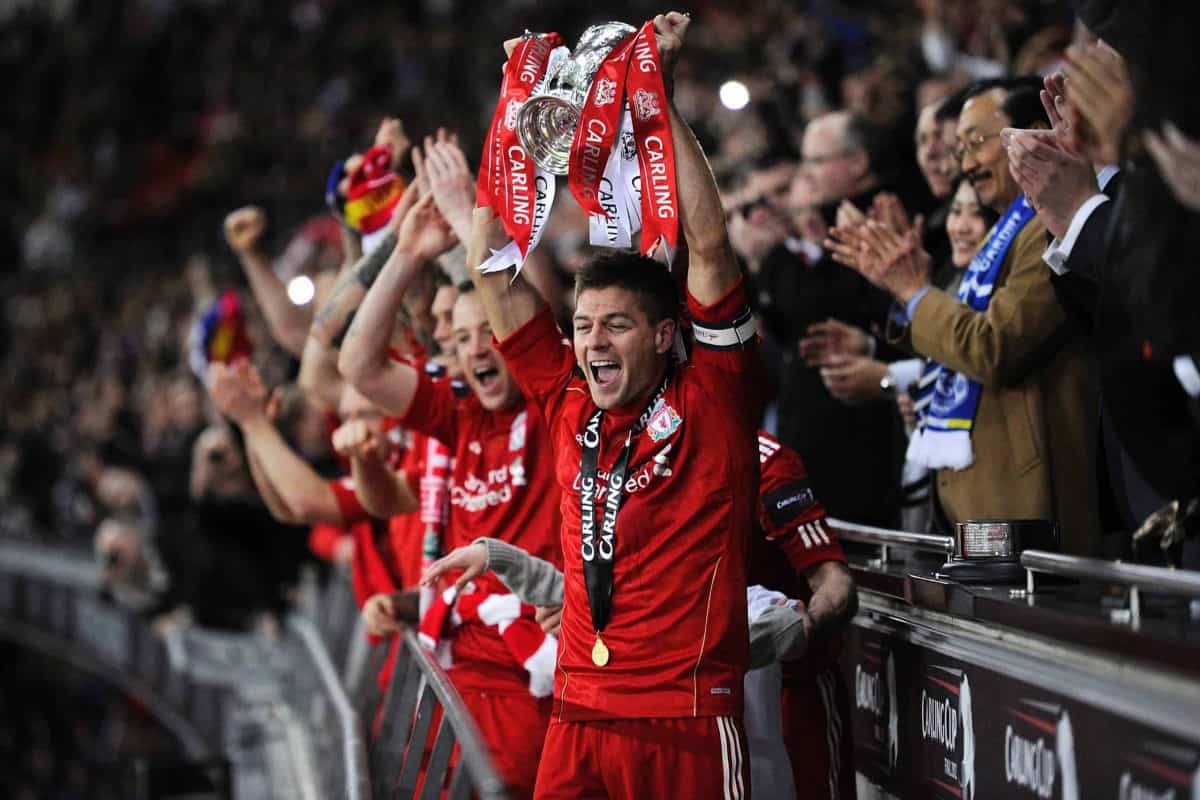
[(547, 122)]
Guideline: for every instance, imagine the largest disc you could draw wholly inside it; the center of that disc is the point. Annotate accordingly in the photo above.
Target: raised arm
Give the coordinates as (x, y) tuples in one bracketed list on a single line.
[(530, 578), (319, 378), (509, 302), (712, 267), (287, 322), (422, 235), (304, 496), (382, 491)]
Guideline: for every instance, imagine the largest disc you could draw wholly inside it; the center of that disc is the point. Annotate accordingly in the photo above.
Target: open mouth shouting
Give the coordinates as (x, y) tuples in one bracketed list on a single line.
[(486, 377), (605, 372)]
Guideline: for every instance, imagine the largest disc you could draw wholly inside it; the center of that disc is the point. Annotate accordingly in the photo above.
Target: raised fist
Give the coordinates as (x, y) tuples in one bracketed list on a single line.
[(391, 133), (244, 229), (237, 390), (356, 439), (670, 29)]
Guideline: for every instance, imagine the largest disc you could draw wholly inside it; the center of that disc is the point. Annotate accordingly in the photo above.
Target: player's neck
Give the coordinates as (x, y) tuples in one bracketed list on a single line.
[(638, 404)]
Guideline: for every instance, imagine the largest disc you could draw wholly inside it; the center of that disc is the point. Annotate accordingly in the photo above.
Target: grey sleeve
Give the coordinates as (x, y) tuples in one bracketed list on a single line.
[(530, 578), (777, 635)]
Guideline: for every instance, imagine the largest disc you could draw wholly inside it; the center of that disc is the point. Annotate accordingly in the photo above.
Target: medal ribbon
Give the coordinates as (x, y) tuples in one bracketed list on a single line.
[(598, 547)]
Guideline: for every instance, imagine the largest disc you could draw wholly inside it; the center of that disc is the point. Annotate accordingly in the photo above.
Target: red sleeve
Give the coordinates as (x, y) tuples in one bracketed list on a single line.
[(323, 540), (433, 410), (348, 504), (789, 513), (725, 352), (540, 360)]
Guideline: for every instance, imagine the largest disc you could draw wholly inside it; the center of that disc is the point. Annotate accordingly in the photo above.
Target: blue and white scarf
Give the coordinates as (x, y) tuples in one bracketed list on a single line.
[(947, 401)]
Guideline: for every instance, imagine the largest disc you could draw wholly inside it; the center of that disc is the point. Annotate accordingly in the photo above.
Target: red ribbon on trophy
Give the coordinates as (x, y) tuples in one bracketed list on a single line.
[(633, 72), (655, 145), (506, 173), (599, 124)]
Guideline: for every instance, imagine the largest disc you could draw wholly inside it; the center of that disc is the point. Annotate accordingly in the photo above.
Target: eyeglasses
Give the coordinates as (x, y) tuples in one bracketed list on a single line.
[(973, 145)]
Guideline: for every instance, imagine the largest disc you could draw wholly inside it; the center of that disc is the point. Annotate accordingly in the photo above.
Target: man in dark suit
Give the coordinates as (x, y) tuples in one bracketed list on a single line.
[(1148, 443), (853, 451)]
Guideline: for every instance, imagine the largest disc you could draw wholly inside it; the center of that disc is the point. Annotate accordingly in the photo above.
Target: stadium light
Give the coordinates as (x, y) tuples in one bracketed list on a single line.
[(301, 290), (734, 95)]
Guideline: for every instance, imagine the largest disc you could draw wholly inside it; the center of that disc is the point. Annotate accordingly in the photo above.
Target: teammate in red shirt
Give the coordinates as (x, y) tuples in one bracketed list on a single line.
[(799, 556), (502, 483), (648, 693)]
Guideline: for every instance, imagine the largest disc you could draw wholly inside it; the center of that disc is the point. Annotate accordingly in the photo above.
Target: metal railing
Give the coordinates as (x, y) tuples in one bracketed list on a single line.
[(1138, 578), (888, 539), (422, 722), (346, 772)]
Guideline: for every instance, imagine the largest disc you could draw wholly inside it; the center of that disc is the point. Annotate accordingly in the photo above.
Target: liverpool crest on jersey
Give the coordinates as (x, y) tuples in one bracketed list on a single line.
[(664, 421)]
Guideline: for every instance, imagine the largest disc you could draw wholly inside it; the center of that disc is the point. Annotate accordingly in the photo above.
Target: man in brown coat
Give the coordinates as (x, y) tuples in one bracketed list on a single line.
[(1031, 448)]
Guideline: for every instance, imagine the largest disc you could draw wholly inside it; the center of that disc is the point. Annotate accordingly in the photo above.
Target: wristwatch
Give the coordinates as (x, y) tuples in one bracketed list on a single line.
[(887, 385)]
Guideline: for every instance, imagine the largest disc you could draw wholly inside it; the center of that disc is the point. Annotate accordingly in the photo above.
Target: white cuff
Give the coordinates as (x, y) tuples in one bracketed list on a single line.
[(1059, 251), (905, 373), (1188, 375)]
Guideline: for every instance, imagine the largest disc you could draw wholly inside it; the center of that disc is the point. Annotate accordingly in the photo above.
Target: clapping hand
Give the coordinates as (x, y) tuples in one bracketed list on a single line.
[(1102, 94), (883, 251), (450, 181), (1178, 160), (832, 338)]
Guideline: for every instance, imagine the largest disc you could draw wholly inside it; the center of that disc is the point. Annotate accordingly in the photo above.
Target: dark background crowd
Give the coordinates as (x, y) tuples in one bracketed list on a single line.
[(135, 126)]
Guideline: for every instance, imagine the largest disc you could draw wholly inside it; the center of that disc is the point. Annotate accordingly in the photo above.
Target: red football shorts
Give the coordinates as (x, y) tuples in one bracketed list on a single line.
[(699, 758), (816, 731), (514, 729)]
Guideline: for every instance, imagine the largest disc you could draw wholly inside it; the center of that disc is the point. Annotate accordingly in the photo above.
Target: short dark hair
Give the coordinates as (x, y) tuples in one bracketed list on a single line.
[(1024, 107), (989, 215), (647, 279), (1022, 102), (951, 106)]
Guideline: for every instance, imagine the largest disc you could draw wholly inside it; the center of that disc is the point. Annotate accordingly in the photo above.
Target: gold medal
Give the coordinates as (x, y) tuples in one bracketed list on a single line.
[(599, 652)]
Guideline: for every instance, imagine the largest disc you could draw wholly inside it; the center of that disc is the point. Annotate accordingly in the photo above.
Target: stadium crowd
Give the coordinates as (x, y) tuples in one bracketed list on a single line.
[(934, 269)]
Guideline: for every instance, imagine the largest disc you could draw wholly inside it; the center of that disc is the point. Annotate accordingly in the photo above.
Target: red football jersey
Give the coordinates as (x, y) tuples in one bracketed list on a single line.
[(678, 634), (373, 568), (502, 486), (792, 522)]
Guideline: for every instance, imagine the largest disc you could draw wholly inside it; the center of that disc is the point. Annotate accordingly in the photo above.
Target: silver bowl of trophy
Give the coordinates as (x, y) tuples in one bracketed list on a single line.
[(989, 550), (547, 122)]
